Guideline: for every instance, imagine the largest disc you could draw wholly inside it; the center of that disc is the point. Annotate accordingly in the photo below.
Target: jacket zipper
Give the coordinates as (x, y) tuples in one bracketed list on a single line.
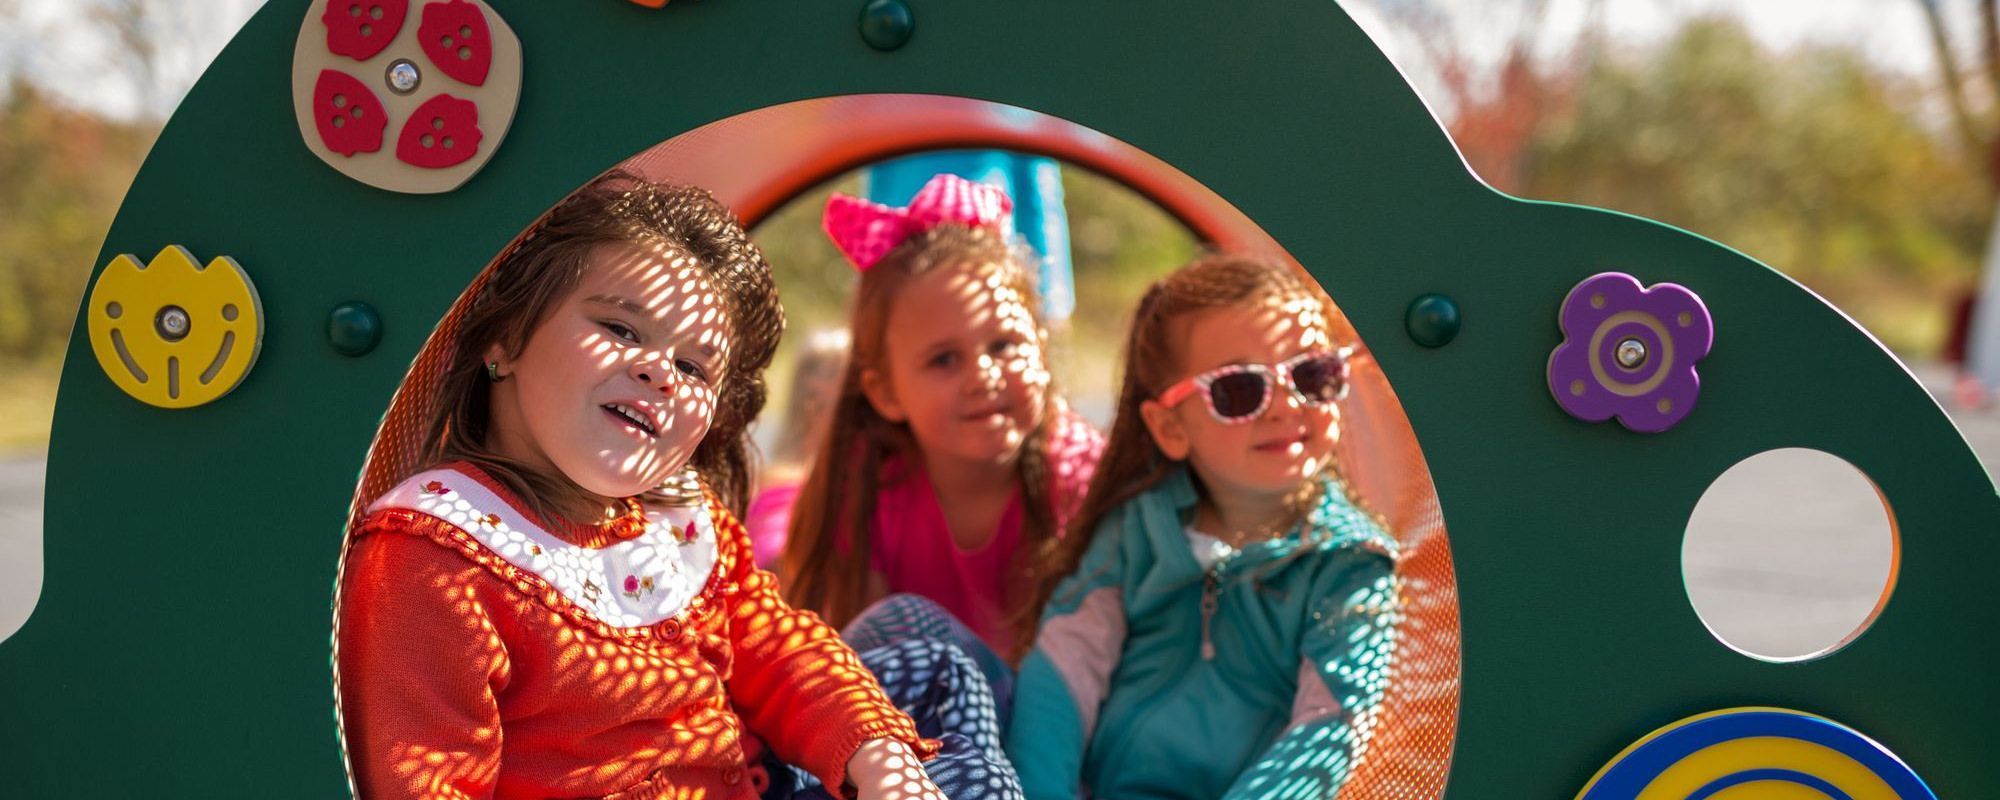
[(1211, 600), (1211, 589)]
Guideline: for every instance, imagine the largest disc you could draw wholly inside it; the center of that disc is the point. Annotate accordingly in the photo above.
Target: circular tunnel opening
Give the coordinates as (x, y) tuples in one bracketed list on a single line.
[(774, 166)]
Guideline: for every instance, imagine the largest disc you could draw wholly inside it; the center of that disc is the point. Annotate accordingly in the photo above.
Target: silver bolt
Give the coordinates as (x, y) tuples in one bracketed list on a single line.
[(403, 76), (1631, 353), (172, 323)]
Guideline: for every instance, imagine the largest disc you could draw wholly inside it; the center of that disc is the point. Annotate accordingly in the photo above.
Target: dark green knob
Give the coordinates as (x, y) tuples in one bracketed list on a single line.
[(353, 328), (1432, 320), (887, 24)]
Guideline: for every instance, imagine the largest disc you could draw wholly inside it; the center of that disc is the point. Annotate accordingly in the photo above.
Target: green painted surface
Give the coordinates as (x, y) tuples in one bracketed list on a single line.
[(180, 644)]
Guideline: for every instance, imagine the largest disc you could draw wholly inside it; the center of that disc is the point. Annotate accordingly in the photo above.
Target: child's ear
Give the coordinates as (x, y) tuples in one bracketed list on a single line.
[(495, 354), (1166, 428), (882, 395)]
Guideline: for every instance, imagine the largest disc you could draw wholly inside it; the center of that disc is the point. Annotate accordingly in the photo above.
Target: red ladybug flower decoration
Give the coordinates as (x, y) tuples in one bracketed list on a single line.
[(443, 74)]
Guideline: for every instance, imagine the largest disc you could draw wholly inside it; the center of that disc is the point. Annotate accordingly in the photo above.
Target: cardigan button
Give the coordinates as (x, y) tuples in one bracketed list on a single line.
[(671, 630), (732, 776)]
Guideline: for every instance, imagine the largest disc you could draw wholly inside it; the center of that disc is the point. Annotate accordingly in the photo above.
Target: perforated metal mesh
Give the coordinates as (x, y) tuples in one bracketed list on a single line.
[(399, 443), (393, 456), (1407, 752)]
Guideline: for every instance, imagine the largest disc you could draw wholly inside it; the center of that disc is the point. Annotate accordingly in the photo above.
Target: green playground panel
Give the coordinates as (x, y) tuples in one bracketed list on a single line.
[(180, 644)]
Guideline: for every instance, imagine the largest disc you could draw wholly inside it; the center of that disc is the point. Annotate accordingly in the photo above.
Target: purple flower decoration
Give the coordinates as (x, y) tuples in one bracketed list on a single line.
[(1629, 352)]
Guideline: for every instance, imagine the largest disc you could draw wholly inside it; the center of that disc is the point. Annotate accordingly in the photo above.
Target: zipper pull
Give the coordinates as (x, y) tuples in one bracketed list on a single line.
[(1210, 584)]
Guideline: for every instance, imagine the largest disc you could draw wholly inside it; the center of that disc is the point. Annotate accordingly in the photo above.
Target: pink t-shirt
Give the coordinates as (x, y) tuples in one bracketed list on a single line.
[(913, 550), (769, 520)]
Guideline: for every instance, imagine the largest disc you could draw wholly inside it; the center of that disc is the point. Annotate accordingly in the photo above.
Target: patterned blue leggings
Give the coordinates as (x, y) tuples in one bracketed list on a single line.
[(902, 617), (944, 690)]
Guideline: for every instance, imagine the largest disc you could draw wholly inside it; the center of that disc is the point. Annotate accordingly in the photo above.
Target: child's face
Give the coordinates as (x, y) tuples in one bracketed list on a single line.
[(962, 364), (1275, 452), (618, 384)]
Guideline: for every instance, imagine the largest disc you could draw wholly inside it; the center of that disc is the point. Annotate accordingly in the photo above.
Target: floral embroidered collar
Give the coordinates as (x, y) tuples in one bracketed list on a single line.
[(640, 580)]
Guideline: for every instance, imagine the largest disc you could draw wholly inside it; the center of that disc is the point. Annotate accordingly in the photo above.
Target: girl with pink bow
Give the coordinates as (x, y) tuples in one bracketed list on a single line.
[(949, 459)]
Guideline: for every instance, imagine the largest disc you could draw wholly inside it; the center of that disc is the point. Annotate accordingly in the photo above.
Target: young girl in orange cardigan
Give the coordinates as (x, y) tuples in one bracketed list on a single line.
[(564, 604)]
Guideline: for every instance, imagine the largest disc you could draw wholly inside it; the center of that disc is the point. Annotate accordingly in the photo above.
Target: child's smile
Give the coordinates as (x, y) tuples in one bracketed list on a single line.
[(638, 416), (964, 366), (616, 386), (1286, 443)]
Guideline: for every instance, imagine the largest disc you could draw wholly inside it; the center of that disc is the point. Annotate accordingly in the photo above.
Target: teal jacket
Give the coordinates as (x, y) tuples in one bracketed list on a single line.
[(1120, 696)]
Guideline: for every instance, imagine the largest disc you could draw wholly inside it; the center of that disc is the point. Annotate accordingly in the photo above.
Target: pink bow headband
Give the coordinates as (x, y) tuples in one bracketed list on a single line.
[(866, 231)]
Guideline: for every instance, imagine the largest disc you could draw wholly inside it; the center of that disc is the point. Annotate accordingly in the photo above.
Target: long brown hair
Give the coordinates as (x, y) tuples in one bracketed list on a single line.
[(1132, 462), (547, 262), (825, 564)]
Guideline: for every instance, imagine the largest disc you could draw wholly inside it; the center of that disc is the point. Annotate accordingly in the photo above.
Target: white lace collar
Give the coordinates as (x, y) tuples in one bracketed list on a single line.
[(633, 583)]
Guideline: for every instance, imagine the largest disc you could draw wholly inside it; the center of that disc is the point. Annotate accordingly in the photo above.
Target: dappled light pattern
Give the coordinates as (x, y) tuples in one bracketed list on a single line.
[(961, 712), (945, 692), (1315, 755), (1406, 751), (907, 617), (618, 384), (447, 643), (1010, 313), (968, 363), (393, 455), (1343, 717), (685, 361), (637, 581), (650, 320), (949, 364)]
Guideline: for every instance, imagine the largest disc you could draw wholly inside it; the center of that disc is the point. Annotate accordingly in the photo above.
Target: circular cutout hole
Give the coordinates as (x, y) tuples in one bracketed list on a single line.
[(340, 101), (465, 31), (447, 143), (354, 10), (114, 310), (229, 312), (374, 12), (367, 30), (426, 140), (357, 112), (339, 122), (437, 123), (444, 40), (1790, 555), (464, 53)]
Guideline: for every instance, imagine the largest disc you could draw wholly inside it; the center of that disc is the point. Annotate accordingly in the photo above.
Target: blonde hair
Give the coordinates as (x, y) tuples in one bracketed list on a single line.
[(825, 564)]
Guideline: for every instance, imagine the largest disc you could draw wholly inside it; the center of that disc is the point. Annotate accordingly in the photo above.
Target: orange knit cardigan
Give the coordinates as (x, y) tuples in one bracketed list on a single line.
[(463, 675)]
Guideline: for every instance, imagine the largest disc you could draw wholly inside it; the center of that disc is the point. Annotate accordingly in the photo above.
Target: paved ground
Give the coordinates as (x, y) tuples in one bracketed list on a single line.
[(1784, 587), (20, 538)]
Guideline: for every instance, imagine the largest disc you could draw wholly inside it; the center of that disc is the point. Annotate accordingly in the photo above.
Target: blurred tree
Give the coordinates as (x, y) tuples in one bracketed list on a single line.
[(1813, 161), (62, 175), (1493, 105), (140, 28), (1974, 99), (1977, 129)]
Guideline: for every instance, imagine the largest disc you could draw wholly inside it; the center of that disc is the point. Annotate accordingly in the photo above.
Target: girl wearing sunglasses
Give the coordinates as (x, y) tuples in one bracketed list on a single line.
[(1220, 620)]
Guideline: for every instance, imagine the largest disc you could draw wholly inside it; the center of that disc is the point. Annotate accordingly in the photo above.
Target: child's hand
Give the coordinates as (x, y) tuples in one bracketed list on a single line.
[(886, 769)]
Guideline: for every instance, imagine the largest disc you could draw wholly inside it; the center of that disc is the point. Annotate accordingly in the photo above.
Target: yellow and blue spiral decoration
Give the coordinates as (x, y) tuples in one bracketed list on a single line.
[(1756, 754)]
